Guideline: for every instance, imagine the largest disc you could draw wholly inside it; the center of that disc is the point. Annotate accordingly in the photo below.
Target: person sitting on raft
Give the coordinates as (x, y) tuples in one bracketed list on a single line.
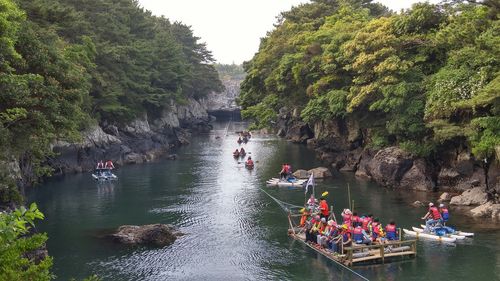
[(109, 165), (239, 140), (311, 203), (305, 216), (236, 152), (445, 215), (242, 151), (346, 216), (359, 235), (375, 229), (100, 165), (310, 226), (432, 217), (346, 235), (355, 218), (391, 231), (249, 161), (325, 235), (365, 221)]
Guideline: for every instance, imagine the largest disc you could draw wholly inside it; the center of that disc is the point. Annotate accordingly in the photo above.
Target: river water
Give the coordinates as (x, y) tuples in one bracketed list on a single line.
[(234, 231)]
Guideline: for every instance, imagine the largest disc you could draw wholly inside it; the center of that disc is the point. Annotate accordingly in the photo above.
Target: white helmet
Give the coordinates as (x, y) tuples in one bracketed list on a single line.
[(441, 205), (431, 204)]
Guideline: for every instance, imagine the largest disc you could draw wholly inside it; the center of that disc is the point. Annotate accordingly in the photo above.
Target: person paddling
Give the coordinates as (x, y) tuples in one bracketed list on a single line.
[(109, 165), (249, 162), (432, 217)]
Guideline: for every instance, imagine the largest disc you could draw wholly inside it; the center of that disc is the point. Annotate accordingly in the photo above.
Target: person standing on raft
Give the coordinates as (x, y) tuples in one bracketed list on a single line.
[(323, 206)]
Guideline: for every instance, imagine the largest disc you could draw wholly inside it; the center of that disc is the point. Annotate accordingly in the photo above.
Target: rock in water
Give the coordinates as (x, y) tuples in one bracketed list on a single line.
[(150, 234), (487, 210), (320, 172), (444, 197), (475, 196), (301, 174)]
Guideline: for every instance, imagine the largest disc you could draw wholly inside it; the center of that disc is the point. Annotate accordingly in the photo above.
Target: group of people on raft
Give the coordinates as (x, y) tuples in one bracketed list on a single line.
[(435, 217), (325, 232), (108, 165), (239, 153)]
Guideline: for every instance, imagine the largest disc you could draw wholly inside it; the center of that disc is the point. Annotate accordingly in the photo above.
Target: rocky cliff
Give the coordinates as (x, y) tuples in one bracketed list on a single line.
[(141, 140), (345, 146)]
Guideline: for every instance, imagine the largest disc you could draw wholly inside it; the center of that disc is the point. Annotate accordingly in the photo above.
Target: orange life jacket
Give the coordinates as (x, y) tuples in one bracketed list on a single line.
[(435, 213)]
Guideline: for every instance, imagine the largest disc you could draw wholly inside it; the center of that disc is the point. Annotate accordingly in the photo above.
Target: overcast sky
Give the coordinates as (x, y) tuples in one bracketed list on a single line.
[(232, 28)]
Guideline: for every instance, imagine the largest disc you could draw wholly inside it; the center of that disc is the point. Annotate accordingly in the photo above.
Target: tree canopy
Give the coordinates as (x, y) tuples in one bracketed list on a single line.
[(419, 79)]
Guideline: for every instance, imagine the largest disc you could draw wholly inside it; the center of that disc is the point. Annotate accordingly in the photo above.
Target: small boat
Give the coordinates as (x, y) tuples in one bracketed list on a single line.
[(288, 182), (421, 230), (104, 174), (457, 232), (429, 236)]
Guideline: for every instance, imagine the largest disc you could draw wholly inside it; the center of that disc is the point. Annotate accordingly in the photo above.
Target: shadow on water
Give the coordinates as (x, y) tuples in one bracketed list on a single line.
[(234, 230)]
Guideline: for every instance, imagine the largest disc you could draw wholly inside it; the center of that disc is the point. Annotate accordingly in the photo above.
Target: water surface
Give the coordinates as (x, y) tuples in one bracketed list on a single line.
[(234, 231)]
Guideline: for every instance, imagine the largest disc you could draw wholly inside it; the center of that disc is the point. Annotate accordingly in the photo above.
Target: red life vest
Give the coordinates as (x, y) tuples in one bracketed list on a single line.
[(347, 218), (355, 219), (390, 228), (435, 213), (365, 222)]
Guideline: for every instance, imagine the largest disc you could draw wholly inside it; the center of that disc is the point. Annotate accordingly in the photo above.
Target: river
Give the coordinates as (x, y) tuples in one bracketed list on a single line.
[(234, 231)]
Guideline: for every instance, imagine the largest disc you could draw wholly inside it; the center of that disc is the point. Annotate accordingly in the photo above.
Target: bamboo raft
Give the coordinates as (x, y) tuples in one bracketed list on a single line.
[(362, 254)]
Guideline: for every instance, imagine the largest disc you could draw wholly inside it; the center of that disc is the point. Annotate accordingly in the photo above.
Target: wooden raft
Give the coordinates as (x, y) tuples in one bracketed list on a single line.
[(376, 253)]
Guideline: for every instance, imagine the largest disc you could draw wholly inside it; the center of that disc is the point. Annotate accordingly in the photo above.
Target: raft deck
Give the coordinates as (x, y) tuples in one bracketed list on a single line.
[(371, 253)]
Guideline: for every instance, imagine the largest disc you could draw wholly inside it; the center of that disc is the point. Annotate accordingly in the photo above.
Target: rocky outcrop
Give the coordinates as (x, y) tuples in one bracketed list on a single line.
[(152, 234), (142, 140), (475, 196)]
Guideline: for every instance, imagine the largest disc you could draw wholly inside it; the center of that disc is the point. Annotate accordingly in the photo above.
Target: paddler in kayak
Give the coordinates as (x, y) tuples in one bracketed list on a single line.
[(432, 217), (249, 162)]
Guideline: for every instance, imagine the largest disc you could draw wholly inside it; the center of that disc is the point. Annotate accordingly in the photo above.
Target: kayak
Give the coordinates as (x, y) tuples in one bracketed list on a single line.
[(289, 182), (421, 230), (428, 236), (457, 232)]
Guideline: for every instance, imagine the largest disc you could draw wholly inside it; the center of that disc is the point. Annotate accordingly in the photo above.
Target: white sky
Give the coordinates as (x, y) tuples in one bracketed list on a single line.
[(232, 28)]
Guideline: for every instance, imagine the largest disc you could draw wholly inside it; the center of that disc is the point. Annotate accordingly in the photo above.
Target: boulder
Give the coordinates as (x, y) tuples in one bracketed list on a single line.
[(301, 174), (488, 210), (389, 165), (475, 196), (151, 234), (444, 197), (320, 172)]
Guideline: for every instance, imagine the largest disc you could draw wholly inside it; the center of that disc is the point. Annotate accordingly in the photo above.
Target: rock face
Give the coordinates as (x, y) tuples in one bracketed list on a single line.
[(342, 144), (475, 196), (152, 234), (141, 140)]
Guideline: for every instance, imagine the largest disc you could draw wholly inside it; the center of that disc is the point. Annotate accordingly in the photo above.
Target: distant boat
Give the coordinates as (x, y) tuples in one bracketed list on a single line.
[(104, 174)]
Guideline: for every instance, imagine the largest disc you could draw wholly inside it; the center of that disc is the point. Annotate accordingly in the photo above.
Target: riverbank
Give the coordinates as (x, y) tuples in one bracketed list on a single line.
[(344, 145)]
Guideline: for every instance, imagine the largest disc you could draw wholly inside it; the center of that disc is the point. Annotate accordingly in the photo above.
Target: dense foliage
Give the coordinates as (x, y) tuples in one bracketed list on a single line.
[(419, 79), (15, 264), (67, 64)]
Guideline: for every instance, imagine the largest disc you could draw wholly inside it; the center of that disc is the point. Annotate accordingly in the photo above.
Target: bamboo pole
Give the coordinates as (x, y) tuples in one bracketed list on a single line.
[(349, 194)]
